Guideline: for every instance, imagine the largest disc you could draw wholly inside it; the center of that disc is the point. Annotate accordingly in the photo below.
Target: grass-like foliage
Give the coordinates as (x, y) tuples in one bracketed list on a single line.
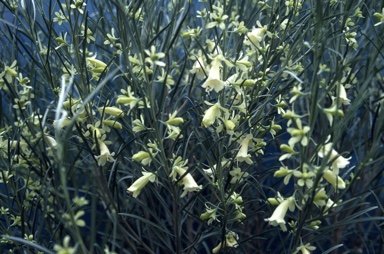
[(191, 126)]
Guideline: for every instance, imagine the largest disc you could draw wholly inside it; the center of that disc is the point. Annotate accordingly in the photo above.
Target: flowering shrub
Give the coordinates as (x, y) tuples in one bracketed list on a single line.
[(191, 126)]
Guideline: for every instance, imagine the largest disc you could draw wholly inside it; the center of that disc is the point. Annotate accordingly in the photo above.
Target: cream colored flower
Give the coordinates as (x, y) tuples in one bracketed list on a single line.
[(199, 68), (255, 36), (112, 123), (343, 95), (214, 81), (304, 249), (140, 183), (277, 218), (333, 179), (243, 155), (65, 248), (320, 198), (284, 172), (96, 63), (333, 111), (237, 175), (231, 239), (188, 181), (338, 161), (211, 115), (142, 157), (105, 154), (298, 134), (210, 215)]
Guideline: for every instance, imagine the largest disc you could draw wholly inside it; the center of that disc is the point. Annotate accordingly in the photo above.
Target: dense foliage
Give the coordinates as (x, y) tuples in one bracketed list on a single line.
[(191, 126)]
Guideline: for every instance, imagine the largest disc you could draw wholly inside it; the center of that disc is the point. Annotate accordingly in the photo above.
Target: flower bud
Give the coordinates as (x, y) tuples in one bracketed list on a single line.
[(141, 156), (282, 172), (175, 121), (273, 201), (113, 123), (229, 125), (97, 63), (112, 111)]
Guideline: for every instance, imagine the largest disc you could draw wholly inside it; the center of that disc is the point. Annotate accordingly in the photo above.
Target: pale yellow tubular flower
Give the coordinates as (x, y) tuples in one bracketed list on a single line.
[(210, 215), (284, 172), (243, 155), (343, 95), (256, 36), (142, 157), (334, 179), (338, 161), (188, 181), (231, 240), (50, 141), (277, 218), (105, 154), (199, 68), (320, 198), (214, 81), (140, 183), (333, 111), (211, 115)]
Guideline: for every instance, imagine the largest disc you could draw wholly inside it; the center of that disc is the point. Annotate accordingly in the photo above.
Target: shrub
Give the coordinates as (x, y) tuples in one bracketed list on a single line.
[(191, 127)]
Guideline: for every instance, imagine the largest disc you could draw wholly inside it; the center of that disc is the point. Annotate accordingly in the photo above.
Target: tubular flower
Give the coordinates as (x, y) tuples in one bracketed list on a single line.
[(142, 157), (230, 241), (50, 141), (338, 161), (65, 248), (334, 179), (214, 81), (105, 154), (199, 68), (140, 183), (243, 155), (210, 215), (255, 36), (320, 198), (188, 181), (211, 115), (305, 249), (127, 100), (278, 215), (113, 123), (331, 112), (343, 95)]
